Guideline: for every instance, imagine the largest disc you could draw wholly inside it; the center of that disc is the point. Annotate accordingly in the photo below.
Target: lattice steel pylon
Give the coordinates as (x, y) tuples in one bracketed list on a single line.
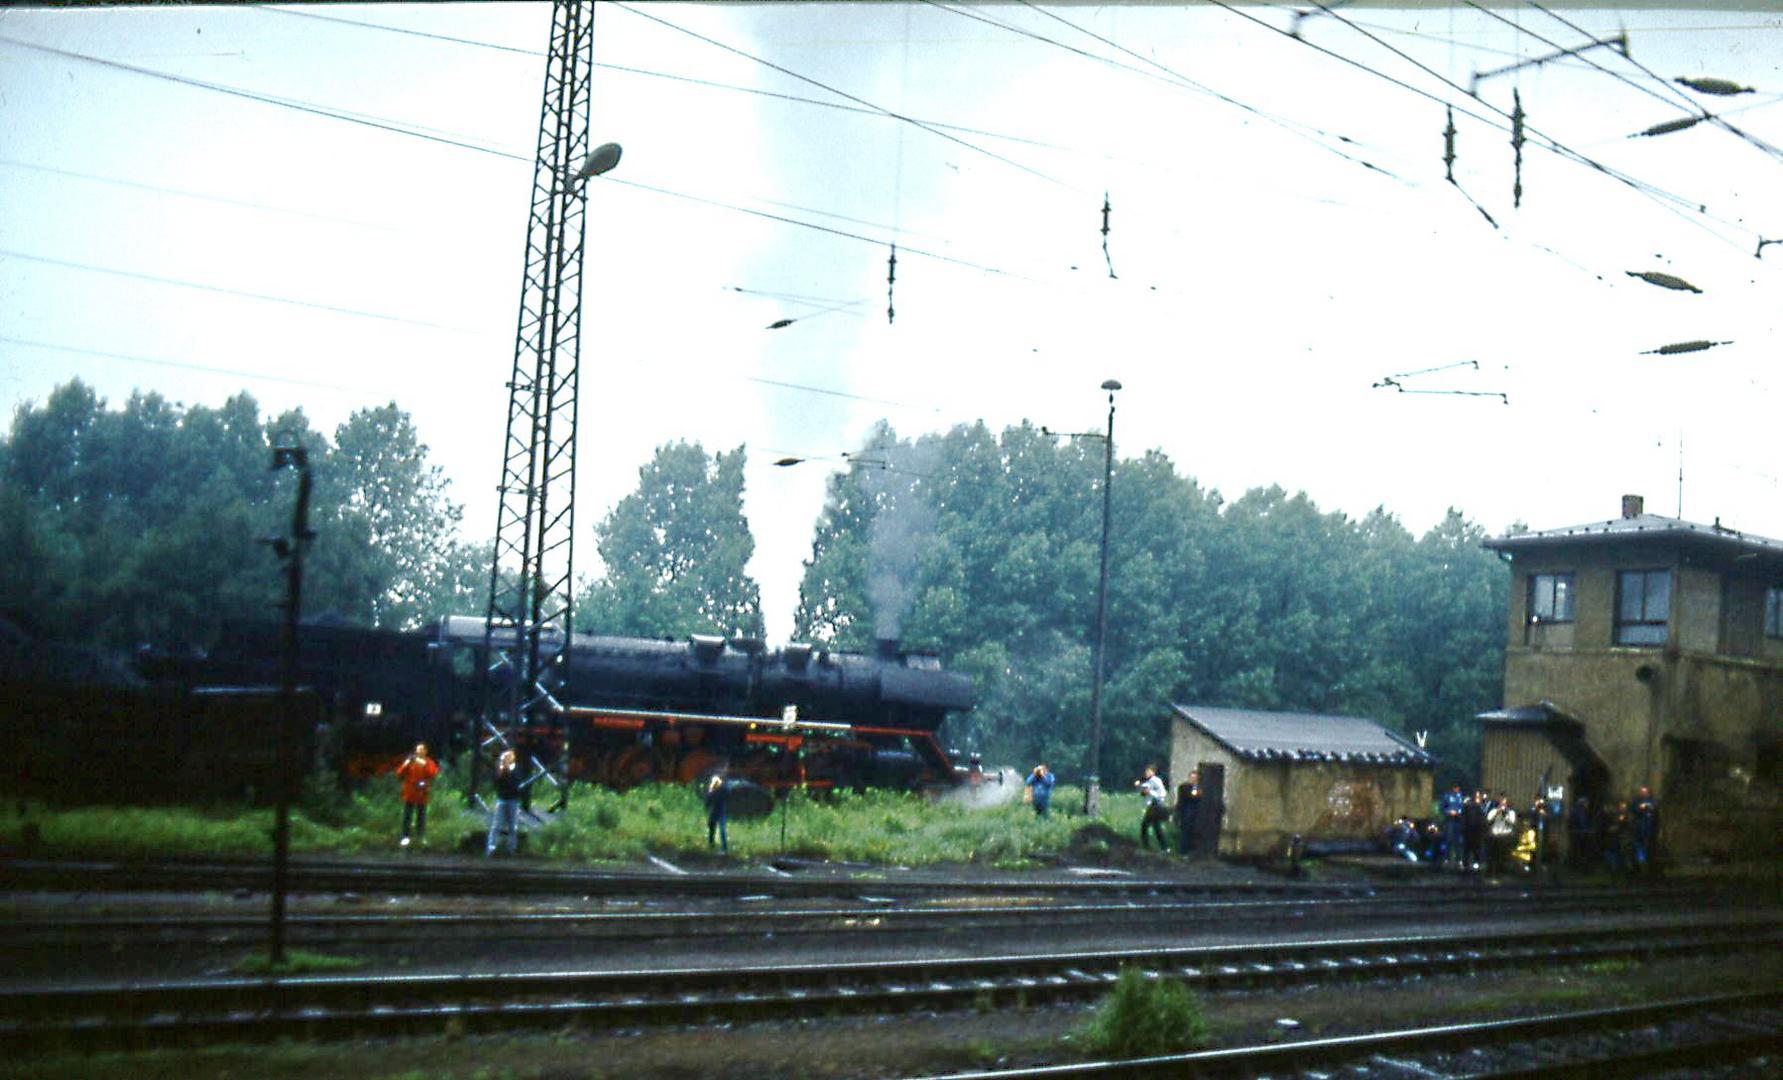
[(527, 633)]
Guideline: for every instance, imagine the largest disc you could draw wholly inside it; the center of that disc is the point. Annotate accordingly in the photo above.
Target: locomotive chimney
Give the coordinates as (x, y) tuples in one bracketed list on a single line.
[(1632, 506), (886, 648)]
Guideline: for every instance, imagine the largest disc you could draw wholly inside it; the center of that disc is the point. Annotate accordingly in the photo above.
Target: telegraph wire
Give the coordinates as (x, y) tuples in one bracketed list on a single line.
[(719, 203), (52, 347), (226, 291), (931, 129), (265, 99), (198, 195), (674, 77), (399, 129)]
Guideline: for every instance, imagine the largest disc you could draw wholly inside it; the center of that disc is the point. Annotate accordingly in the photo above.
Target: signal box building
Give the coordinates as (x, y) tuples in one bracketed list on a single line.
[(1277, 775), (1646, 650)]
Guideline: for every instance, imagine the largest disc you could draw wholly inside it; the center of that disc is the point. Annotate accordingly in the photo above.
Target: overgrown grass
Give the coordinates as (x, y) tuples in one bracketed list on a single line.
[(296, 962), (879, 827), (1143, 1016)]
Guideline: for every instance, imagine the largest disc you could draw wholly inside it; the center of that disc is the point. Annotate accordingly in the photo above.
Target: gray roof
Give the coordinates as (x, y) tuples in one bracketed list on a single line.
[(1256, 735), (1643, 526)]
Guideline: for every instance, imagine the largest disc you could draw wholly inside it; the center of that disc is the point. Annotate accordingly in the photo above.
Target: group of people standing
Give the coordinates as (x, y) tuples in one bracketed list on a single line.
[(1486, 832), (1156, 813)]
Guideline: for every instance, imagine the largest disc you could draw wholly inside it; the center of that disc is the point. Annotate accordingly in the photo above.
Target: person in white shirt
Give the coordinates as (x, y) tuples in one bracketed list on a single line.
[(1156, 809)]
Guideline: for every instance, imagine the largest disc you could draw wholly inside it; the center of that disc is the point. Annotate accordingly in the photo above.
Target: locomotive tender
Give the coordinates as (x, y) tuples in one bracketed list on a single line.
[(633, 710)]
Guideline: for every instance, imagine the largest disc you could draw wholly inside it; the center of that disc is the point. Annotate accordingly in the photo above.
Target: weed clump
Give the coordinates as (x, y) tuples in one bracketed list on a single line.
[(1143, 1016)]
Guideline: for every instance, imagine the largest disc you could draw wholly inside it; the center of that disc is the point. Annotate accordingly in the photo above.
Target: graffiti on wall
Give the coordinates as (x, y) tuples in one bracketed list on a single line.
[(1352, 808)]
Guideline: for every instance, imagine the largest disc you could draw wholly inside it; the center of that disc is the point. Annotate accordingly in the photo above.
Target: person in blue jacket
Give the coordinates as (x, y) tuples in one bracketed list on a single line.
[(1041, 781), (1450, 807), (1643, 814)]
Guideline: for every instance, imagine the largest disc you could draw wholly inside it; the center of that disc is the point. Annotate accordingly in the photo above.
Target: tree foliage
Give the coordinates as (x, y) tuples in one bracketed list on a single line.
[(1265, 601), (142, 523), (676, 551)]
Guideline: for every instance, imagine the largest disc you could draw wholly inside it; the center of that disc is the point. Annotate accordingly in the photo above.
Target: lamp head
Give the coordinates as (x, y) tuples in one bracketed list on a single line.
[(1111, 385), (599, 160)]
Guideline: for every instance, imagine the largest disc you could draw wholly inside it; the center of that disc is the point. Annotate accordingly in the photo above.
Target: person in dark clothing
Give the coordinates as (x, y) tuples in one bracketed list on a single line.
[(1612, 833), (718, 812), (510, 784), (1581, 835), (1402, 839), (1188, 812), (1643, 830), (1449, 809), (1473, 830)]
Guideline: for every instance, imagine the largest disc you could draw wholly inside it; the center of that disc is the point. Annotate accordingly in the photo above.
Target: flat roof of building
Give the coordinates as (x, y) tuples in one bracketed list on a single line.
[(1643, 527), (1258, 735)]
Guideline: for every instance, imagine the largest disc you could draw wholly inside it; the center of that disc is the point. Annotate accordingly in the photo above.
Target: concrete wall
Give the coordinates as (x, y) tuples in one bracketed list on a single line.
[(1267, 802)]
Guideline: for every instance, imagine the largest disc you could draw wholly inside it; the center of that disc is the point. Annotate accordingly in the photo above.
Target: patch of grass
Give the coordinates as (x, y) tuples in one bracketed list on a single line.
[(1143, 1016), (297, 962), (1614, 965), (599, 825)]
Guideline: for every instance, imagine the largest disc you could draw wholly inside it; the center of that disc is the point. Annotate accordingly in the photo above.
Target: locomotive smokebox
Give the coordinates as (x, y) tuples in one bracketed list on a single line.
[(886, 648)]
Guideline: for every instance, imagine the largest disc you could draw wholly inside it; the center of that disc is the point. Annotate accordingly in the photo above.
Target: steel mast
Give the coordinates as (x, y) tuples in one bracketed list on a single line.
[(527, 632)]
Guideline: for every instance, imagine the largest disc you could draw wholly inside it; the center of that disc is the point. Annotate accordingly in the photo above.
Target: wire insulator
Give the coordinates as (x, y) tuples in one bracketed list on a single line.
[(891, 281), (1517, 117), (1448, 147)]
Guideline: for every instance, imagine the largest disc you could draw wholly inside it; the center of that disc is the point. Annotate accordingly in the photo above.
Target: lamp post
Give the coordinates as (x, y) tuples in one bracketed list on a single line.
[(1092, 763), (1092, 790)]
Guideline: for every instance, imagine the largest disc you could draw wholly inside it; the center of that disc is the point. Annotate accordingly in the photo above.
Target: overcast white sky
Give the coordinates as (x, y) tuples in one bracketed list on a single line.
[(1265, 282)]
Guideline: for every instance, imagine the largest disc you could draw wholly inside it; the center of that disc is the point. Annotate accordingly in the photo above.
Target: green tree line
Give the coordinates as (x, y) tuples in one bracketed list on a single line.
[(141, 524)]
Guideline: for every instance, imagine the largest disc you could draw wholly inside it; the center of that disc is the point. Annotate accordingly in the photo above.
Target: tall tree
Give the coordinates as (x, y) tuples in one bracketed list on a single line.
[(676, 551), (388, 538)]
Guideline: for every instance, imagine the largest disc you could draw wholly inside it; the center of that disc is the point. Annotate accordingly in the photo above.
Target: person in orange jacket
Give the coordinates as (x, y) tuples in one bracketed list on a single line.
[(417, 772)]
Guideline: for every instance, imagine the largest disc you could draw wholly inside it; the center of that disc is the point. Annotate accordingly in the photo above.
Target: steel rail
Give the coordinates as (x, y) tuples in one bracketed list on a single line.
[(480, 879), (137, 1015), (158, 930), (1336, 1051)]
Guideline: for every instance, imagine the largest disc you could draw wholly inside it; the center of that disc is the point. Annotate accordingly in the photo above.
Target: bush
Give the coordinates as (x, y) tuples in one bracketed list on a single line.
[(1143, 1016)]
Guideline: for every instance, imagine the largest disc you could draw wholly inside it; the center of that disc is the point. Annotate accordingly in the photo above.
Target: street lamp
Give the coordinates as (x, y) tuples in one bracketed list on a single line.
[(1092, 791), (1092, 765)]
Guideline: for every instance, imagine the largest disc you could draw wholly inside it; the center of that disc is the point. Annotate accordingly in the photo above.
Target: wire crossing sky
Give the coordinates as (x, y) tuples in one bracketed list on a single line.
[(326, 208)]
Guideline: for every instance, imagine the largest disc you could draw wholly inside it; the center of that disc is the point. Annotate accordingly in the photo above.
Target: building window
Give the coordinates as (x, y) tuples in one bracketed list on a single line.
[(1643, 606), (1773, 612), (1550, 598)]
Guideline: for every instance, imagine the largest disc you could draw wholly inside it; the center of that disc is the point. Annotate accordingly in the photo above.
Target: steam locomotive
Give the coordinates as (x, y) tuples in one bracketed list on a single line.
[(632, 710)]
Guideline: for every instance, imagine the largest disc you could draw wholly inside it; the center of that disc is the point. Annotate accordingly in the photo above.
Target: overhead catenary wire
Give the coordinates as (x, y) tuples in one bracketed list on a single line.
[(1681, 100), (51, 346), (398, 129), (1168, 77), (790, 73), (680, 78), (1671, 96), (1677, 204), (196, 195), (202, 286)]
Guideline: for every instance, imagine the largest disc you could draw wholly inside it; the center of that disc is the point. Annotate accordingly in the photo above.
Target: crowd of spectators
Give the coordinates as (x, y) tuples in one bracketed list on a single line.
[(1486, 833)]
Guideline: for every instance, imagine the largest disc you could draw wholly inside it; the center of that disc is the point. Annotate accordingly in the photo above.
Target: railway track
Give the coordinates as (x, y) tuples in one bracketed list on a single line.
[(249, 1010), (116, 933), (477, 878), (1737, 1031)]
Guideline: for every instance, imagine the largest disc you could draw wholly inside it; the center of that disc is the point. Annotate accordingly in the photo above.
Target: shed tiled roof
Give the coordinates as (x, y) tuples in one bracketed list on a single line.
[(1256, 735), (1654, 526)]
